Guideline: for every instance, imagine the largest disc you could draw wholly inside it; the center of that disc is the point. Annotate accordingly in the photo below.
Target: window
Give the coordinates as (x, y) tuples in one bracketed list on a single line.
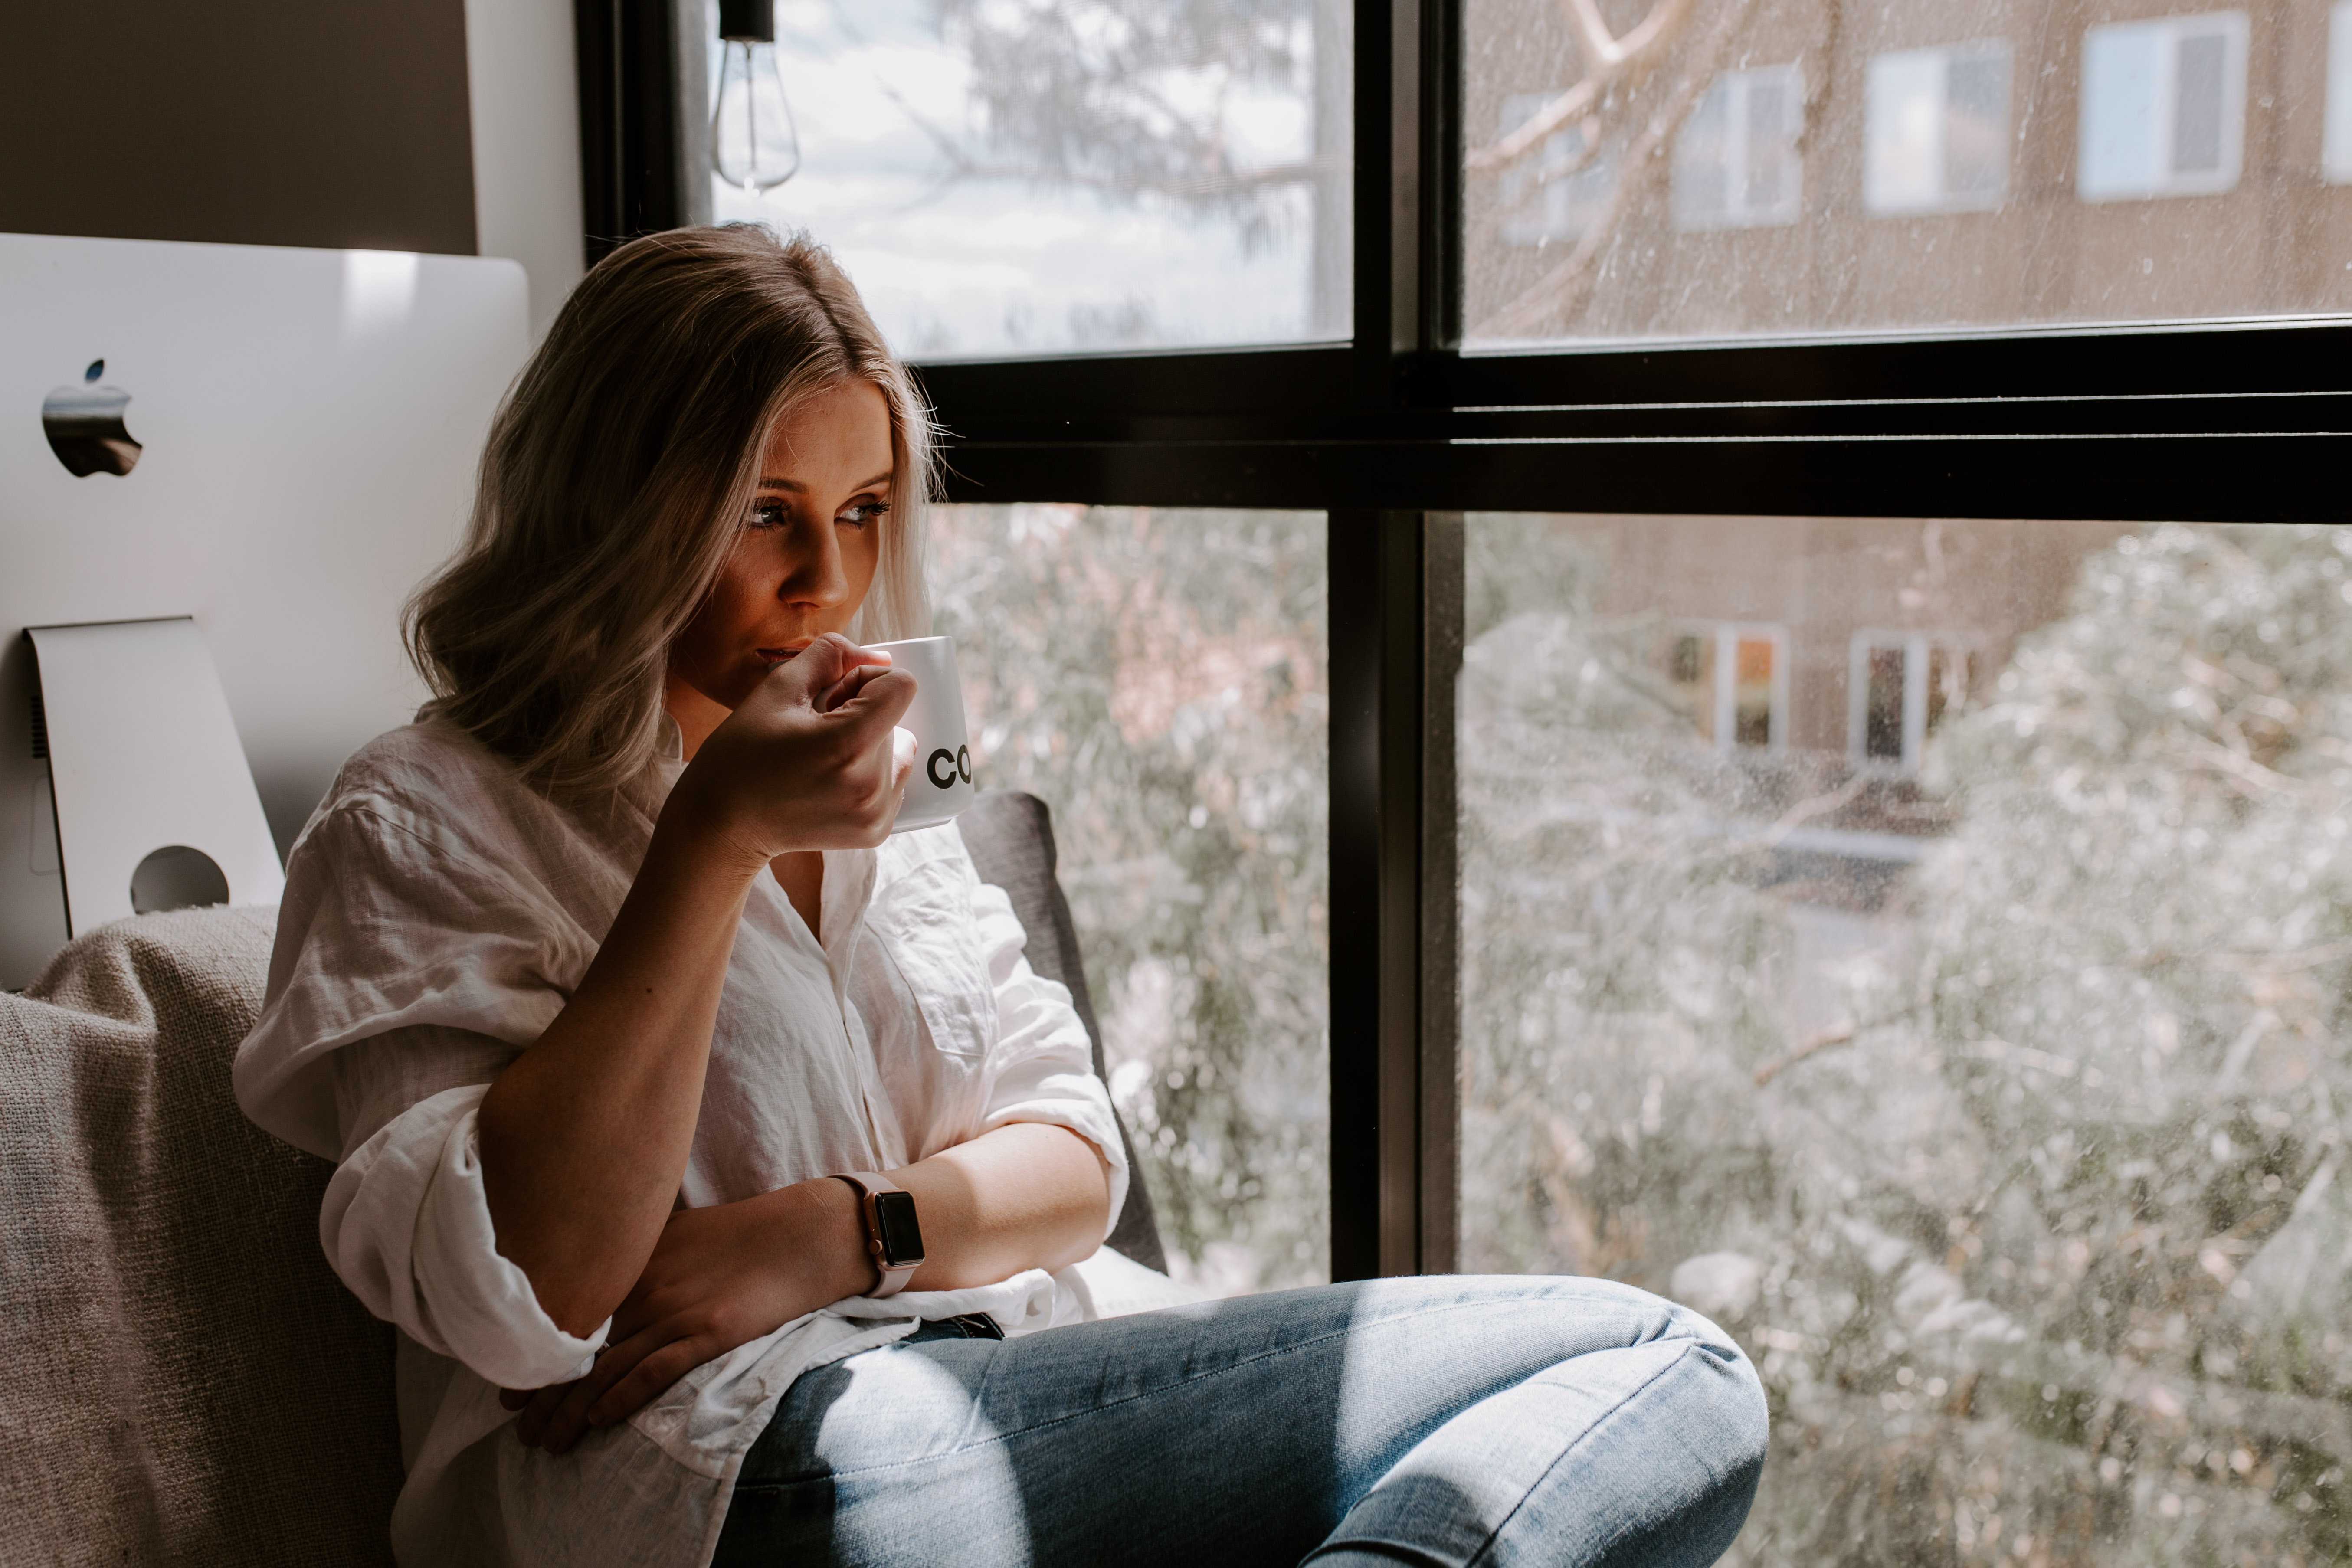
[(2337, 154), (1811, 167), (1968, 1057), (1157, 678), (2164, 107), (1563, 192), (1085, 175), (1736, 163), (1976, 1102), (1731, 682), (1937, 127), (1898, 688)]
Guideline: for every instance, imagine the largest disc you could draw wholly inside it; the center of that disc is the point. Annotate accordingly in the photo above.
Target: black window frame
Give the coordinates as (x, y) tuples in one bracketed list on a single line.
[(1397, 433)]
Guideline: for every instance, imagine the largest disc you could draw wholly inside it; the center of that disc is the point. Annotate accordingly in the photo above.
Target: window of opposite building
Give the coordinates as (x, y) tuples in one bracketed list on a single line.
[(2337, 155), (1730, 680), (1938, 129), (1736, 164), (2164, 107), (1562, 192), (1900, 687)]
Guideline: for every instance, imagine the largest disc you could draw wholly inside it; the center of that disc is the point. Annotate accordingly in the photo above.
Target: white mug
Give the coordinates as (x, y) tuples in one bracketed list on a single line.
[(940, 785)]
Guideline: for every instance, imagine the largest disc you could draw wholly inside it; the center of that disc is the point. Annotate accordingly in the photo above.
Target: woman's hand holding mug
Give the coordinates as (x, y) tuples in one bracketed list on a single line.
[(813, 759)]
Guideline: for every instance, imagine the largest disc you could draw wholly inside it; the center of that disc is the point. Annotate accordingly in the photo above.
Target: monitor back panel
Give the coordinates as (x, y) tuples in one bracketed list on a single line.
[(308, 424)]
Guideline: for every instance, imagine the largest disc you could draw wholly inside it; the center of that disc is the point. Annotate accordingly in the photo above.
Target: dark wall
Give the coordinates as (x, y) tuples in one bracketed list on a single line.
[(318, 122)]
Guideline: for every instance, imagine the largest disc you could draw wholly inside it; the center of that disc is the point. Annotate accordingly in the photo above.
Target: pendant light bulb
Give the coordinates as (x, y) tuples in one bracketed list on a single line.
[(754, 142)]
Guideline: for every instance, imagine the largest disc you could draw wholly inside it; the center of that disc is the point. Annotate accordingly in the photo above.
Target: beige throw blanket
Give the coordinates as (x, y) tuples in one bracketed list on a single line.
[(182, 1379)]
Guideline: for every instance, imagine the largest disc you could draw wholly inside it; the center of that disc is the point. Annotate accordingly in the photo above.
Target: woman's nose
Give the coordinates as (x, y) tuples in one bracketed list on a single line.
[(815, 574)]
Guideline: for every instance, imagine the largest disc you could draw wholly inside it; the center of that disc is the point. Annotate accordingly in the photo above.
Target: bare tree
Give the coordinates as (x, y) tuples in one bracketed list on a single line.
[(1608, 108), (1606, 57)]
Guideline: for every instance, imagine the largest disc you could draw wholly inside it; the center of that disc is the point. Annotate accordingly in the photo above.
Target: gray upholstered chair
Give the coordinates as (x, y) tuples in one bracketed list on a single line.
[(1011, 836)]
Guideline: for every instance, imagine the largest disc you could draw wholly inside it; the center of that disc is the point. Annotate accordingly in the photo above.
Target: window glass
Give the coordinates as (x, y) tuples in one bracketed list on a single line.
[(1157, 678), (1975, 1056), (1735, 167), (1069, 175)]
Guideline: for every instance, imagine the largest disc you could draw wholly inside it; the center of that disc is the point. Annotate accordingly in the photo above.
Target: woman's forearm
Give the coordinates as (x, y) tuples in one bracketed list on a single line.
[(1026, 1195), (584, 1138)]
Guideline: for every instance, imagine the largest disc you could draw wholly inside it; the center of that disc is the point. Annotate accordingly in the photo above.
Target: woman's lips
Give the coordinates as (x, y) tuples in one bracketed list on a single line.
[(782, 655)]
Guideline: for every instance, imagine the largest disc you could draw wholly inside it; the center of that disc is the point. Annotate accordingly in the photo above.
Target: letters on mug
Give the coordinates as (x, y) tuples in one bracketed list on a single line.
[(959, 763)]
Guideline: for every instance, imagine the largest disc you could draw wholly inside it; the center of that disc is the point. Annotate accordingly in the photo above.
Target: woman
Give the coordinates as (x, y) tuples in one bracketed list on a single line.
[(629, 1024)]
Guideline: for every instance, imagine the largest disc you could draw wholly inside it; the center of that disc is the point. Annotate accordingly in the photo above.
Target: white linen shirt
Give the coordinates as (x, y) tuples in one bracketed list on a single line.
[(438, 912)]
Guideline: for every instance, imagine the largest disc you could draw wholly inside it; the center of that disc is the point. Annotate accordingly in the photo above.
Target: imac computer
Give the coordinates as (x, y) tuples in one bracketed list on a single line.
[(277, 444)]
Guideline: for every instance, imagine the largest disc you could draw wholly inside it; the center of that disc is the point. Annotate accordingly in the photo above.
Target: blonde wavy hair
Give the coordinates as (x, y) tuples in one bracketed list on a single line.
[(615, 481)]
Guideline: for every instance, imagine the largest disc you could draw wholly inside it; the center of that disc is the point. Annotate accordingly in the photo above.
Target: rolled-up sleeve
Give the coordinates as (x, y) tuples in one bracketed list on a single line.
[(1042, 1069), (410, 968), (406, 1226)]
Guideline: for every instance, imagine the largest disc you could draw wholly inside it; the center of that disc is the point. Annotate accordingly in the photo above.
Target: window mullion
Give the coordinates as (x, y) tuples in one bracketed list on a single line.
[(1396, 639), (1438, 948), (1439, 150), (1390, 238)]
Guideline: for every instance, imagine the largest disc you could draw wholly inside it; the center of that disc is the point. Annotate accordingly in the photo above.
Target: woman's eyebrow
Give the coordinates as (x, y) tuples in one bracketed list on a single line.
[(796, 488)]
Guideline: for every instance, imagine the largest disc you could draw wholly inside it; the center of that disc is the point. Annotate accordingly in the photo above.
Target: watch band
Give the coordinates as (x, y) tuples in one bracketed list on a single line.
[(895, 1268)]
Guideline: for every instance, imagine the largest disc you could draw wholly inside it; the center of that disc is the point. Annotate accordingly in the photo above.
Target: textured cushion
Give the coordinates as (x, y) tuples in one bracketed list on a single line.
[(1011, 836), (185, 1380)]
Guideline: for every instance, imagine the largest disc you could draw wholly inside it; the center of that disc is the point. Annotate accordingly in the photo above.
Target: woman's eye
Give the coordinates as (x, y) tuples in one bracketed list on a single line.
[(769, 514), (857, 514)]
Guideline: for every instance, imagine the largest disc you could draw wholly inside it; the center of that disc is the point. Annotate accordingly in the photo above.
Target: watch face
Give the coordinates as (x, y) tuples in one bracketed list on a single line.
[(902, 1239)]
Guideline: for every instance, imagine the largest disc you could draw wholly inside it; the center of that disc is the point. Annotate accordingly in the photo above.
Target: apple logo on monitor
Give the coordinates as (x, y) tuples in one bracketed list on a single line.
[(84, 425)]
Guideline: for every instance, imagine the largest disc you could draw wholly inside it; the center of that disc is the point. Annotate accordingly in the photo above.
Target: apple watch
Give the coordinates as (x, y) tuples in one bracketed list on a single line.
[(892, 1237)]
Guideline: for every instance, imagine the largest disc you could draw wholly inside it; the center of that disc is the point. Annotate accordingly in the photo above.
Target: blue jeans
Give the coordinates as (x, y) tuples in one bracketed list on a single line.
[(1441, 1420)]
